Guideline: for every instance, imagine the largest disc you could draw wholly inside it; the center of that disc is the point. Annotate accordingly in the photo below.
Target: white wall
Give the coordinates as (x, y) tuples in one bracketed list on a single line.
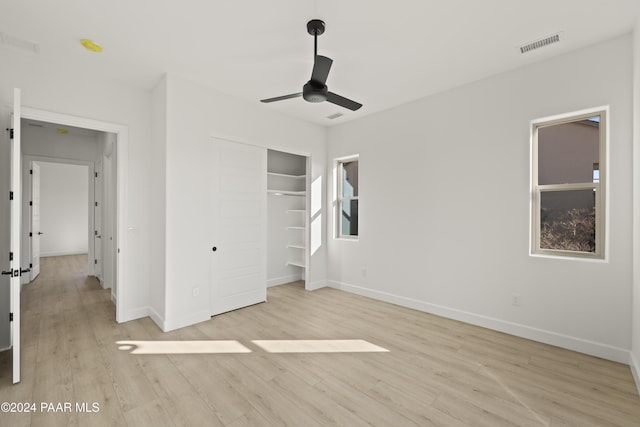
[(635, 348), (195, 114), (158, 224), (51, 86), (444, 205), (64, 204)]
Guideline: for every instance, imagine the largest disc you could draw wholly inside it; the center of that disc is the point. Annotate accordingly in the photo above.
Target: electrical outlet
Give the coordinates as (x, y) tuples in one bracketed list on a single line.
[(195, 292), (515, 300)]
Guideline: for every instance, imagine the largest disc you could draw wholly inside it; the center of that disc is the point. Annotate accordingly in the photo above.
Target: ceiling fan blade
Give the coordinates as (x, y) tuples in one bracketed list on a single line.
[(321, 67), (342, 101), (282, 98)]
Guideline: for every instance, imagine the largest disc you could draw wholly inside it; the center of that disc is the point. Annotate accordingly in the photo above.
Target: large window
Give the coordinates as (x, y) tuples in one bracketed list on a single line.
[(568, 177), (347, 206)]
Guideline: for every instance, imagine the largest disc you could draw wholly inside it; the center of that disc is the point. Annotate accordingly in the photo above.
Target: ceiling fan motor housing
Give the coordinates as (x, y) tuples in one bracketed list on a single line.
[(312, 93)]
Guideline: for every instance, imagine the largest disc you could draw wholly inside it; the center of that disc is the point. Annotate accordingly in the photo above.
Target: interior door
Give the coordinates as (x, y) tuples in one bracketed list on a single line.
[(16, 200), (35, 220), (238, 247)]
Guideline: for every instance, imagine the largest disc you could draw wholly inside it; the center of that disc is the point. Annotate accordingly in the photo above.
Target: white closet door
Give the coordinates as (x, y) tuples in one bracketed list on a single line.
[(238, 198)]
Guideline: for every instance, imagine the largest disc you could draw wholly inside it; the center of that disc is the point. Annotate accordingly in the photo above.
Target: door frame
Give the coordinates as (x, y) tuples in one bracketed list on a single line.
[(122, 162), (27, 161)]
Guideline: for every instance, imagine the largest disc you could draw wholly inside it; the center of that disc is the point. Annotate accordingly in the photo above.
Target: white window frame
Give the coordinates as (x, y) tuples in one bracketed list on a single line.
[(340, 200), (599, 187)]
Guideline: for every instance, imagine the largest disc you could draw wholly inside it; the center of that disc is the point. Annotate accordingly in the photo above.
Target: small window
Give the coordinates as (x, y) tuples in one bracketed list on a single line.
[(347, 206), (568, 179)]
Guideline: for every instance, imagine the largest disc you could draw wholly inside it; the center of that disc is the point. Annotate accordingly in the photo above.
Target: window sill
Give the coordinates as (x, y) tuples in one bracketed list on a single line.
[(571, 258)]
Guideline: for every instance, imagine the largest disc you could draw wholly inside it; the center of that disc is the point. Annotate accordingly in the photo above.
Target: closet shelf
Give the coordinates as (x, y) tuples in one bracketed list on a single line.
[(286, 192), (284, 175), (297, 264)]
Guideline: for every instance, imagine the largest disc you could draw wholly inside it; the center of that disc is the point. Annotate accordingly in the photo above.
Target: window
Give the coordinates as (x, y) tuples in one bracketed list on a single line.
[(568, 177), (347, 206)]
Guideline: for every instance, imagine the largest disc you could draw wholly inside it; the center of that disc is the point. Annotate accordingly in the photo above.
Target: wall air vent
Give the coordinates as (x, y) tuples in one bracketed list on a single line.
[(9, 40), (540, 43), (335, 116)]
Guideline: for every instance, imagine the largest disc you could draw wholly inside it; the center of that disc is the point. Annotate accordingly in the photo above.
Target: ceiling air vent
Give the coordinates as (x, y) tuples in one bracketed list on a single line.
[(335, 116), (540, 43)]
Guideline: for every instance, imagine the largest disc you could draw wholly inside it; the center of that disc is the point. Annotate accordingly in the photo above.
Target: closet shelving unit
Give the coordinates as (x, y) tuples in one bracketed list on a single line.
[(286, 185)]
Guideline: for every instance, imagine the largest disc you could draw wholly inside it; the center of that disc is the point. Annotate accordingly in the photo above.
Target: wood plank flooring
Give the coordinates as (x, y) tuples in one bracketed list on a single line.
[(438, 372)]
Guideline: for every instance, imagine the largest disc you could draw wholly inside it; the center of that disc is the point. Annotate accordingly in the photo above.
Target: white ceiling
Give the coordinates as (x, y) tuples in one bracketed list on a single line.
[(54, 128), (385, 53)]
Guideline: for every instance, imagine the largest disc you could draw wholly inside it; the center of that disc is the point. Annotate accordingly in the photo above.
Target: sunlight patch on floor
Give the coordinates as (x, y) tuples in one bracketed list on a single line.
[(182, 347), (232, 346), (318, 346)]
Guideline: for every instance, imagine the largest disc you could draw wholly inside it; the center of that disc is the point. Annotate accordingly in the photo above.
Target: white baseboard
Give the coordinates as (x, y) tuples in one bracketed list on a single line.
[(592, 348), (61, 253), (157, 319), (282, 280), (172, 324), (315, 285), (635, 369), (134, 314)]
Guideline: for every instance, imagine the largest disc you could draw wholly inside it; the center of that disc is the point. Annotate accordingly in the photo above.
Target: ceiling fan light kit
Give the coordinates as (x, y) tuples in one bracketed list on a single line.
[(316, 90)]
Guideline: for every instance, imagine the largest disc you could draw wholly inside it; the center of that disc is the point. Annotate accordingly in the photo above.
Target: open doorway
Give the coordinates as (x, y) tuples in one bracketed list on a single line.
[(69, 204), (58, 212), (51, 140)]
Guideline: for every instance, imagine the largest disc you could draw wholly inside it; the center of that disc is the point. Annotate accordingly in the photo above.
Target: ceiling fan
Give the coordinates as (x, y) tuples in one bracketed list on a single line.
[(315, 90)]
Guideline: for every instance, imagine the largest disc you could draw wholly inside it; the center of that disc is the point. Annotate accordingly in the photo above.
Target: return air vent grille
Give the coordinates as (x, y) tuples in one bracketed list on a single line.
[(540, 43), (335, 116), (9, 40)]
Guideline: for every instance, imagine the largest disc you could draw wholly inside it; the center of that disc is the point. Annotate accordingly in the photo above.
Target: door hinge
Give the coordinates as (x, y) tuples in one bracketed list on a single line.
[(30, 234), (10, 195), (10, 133), (96, 203), (10, 256), (10, 317), (30, 171), (95, 261), (96, 174), (30, 202)]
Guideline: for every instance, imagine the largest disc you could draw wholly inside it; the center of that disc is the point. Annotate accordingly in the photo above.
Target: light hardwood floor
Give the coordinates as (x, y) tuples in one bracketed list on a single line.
[(437, 371)]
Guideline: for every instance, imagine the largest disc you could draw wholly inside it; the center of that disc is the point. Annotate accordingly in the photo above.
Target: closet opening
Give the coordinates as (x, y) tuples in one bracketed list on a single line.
[(287, 218)]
